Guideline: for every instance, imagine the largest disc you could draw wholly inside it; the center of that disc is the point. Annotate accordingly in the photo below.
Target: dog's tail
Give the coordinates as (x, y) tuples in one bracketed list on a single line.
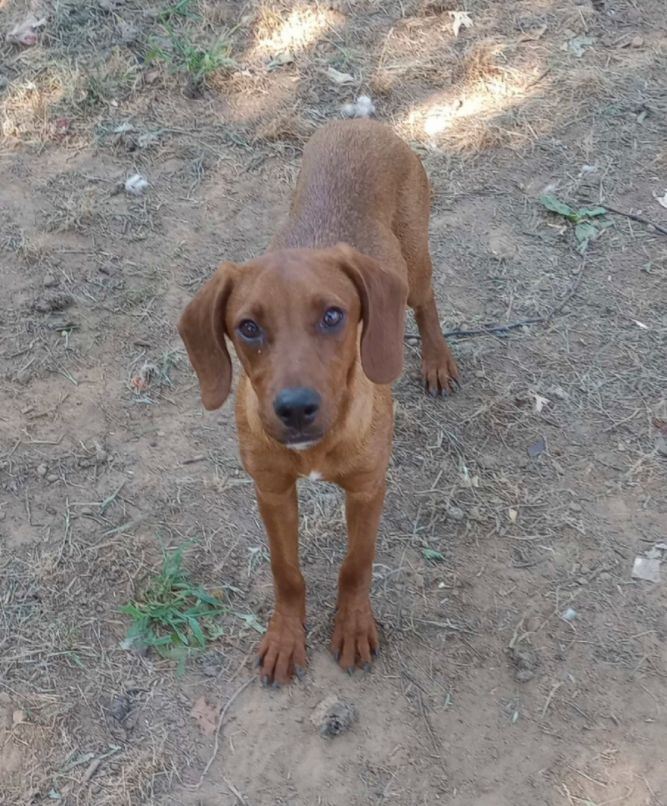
[(363, 107)]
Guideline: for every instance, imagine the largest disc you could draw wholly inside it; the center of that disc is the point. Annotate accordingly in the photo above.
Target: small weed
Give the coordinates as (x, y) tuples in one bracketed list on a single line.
[(168, 362), (584, 230), (174, 616), (97, 87), (183, 8), (433, 555), (184, 55)]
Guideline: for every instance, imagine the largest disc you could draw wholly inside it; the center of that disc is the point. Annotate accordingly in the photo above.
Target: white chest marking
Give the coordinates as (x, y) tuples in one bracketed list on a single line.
[(315, 475)]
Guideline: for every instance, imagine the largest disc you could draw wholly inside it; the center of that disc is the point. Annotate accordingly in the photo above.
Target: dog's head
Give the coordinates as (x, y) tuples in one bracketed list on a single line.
[(300, 321)]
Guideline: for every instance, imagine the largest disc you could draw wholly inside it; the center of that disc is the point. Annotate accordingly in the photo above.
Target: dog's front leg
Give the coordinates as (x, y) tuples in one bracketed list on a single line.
[(355, 638), (282, 652)]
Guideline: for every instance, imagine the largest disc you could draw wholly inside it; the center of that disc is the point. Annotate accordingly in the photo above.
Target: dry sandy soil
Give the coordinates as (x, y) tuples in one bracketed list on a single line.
[(528, 494)]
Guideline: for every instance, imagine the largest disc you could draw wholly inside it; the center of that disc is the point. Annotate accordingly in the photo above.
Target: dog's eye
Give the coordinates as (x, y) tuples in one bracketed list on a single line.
[(332, 317), (249, 329)]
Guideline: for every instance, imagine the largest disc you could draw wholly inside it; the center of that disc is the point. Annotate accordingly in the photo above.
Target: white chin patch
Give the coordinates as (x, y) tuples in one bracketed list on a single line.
[(315, 475), (301, 446)]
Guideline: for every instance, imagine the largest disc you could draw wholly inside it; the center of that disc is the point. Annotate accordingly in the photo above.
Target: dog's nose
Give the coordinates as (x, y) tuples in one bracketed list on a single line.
[(297, 407)]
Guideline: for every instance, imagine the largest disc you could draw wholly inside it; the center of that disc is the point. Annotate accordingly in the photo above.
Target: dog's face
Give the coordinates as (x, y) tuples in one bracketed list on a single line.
[(293, 317)]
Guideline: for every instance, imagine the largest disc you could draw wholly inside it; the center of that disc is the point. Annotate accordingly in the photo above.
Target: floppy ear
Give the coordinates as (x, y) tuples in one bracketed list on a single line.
[(383, 298), (202, 328)]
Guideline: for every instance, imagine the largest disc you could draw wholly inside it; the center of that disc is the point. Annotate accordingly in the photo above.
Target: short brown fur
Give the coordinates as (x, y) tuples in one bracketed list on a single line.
[(357, 240)]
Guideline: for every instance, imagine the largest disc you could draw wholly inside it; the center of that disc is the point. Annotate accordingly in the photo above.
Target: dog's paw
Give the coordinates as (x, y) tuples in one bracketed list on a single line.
[(440, 373), (355, 640), (282, 653)]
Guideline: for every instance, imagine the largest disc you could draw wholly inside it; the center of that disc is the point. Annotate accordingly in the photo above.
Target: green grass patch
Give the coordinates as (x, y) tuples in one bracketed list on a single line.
[(174, 616), (184, 53)]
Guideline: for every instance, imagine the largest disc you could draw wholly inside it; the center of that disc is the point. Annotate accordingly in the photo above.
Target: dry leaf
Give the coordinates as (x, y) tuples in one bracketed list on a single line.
[(536, 448), (460, 19), (25, 33), (282, 59), (206, 716), (540, 402), (662, 199), (533, 35), (339, 78), (578, 45), (646, 568), (109, 5), (661, 425)]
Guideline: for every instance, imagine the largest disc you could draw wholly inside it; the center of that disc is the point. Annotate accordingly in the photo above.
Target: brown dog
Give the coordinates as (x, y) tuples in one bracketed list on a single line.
[(317, 324)]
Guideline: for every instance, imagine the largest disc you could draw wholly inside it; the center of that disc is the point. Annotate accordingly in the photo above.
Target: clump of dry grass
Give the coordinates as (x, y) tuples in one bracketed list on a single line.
[(287, 125), (136, 778), (26, 106), (75, 213), (479, 63), (289, 28)]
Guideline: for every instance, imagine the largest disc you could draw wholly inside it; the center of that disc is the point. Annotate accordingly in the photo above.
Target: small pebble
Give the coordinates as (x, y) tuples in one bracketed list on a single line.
[(455, 513), (569, 614), (42, 471), (523, 675), (51, 478), (558, 392)]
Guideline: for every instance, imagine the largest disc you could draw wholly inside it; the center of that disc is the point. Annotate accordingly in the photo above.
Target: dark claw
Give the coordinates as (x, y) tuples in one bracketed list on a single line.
[(265, 680), (300, 672), (445, 392), (350, 670), (337, 656), (375, 652), (258, 662), (367, 667), (275, 685), (456, 383)]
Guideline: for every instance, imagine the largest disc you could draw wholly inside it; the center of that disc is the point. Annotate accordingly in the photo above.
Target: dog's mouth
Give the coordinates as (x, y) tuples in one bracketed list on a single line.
[(301, 441)]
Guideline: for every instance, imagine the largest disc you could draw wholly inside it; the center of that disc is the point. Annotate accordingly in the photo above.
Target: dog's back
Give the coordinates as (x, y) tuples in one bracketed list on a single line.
[(352, 187)]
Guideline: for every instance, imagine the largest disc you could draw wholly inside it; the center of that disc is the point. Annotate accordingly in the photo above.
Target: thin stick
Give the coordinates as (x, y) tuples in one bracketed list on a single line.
[(638, 218), (550, 697), (486, 330), (216, 745)]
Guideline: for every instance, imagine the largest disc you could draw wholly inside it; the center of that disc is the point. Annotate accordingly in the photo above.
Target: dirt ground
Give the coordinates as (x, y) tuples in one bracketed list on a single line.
[(521, 662)]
